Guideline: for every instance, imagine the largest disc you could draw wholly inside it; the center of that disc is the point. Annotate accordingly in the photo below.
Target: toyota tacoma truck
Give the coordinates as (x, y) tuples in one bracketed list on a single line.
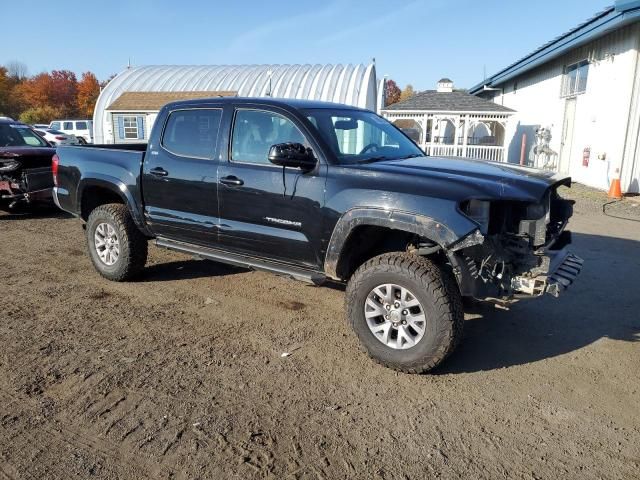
[(25, 165), (326, 192)]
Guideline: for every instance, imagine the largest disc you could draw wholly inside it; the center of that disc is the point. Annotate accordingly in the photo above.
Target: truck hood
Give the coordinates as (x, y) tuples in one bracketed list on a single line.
[(29, 157), (474, 178)]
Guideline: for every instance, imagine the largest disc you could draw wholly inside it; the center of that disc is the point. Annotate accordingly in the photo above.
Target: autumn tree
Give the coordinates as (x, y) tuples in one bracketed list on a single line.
[(17, 70), (391, 92), (408, 92), (6, 86), (65, 91), (57, 90), (88, 91), (34, 92)]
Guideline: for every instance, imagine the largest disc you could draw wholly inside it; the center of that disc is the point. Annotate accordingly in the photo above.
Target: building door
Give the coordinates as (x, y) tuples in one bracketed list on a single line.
[(567, 135)]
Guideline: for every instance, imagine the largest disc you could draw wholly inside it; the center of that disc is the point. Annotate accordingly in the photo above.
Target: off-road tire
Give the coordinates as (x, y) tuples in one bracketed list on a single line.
[(133, 244), (436, 290)]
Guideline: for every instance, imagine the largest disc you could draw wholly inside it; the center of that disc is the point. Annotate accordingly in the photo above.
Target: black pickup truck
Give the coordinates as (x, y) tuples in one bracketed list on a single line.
[(318, 192)]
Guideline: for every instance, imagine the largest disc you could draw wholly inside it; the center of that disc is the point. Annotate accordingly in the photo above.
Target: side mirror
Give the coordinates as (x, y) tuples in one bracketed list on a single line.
[(293, 155)]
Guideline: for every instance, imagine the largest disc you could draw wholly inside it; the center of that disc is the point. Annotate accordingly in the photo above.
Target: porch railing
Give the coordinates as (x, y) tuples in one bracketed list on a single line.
[(481, 152)]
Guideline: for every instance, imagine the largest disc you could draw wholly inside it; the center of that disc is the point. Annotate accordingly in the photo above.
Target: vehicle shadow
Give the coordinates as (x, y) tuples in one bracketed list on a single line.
[(185, 270), (33, 213), (603, 303)]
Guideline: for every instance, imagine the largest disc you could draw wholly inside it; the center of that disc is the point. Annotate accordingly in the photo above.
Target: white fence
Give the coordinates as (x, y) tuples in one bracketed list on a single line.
[(481, 152)]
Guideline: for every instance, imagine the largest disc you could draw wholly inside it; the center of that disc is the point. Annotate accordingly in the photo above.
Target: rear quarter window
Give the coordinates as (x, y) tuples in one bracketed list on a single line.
[(192, 133), (81, 126)]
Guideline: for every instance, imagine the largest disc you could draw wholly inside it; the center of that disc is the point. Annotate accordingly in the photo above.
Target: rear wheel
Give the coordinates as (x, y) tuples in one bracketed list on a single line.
[(117, 248), (82, 141), (406, 311)]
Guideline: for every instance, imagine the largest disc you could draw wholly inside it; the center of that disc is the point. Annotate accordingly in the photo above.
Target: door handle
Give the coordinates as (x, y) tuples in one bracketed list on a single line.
[(232, 181), (159, 172)]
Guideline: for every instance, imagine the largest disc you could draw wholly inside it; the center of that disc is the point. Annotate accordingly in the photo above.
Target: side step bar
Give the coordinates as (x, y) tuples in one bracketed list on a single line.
[(308, 276)]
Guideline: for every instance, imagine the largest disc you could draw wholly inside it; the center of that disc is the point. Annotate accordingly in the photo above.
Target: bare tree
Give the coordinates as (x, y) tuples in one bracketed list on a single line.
[(17, 70)]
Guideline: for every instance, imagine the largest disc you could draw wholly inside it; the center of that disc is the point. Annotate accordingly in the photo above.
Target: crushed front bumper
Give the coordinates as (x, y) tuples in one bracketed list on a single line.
[(564, 268)]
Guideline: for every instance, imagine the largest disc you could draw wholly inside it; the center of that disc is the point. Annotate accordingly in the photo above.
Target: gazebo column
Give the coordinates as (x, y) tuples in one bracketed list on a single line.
[(424, 133), (465, 125), (431, 137), (455, 136)]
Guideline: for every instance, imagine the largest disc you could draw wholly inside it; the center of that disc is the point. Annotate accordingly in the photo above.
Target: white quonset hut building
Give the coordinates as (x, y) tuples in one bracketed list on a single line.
[(129, 103), (584, 87)]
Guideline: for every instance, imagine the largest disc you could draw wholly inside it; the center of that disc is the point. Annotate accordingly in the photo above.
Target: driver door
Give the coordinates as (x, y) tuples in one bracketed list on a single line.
[(266, 210)]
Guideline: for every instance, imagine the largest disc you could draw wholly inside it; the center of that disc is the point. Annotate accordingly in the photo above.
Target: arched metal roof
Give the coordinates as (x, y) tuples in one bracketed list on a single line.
[(349, 84)]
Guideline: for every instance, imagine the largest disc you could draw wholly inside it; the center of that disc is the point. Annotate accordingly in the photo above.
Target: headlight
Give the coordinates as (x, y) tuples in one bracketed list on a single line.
[(9, 166), (478, 211)]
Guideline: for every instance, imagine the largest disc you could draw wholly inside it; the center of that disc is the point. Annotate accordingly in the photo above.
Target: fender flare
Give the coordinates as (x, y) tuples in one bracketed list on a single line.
[(397, 220), (118, 187)]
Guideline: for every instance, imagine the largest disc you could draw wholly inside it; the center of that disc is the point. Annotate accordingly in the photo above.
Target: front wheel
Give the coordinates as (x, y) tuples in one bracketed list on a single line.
[(406, 311), (117, 248)]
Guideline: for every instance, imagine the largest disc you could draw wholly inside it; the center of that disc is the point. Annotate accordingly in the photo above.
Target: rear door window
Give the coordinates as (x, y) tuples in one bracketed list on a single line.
[(67, 126), (192, 133)]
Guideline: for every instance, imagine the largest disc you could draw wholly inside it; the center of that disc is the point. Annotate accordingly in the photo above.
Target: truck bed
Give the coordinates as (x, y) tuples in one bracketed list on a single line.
[(109, 164)]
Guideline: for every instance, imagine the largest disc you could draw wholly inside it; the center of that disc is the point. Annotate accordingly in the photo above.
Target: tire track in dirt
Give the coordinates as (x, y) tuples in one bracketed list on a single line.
[(105, 363)]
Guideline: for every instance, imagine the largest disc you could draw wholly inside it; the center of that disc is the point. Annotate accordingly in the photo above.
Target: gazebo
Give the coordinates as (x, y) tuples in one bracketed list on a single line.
[(448, 122)]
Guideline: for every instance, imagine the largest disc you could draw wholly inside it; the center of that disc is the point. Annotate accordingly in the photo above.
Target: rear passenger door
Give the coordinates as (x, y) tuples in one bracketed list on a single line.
[(266, 210), (179, 183)]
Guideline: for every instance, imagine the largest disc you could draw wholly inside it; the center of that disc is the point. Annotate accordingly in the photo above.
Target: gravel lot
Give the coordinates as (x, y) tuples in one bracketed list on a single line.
[(180, 374)]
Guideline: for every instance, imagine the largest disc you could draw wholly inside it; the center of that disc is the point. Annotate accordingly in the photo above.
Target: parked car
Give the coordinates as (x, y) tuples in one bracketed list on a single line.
[(40, 126), (56, 137), (82, 129), (318, 192), (25, 165)]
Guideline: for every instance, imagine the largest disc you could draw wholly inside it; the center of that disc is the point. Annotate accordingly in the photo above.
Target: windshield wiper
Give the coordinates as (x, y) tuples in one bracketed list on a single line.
[(413, 155), (372, 159)]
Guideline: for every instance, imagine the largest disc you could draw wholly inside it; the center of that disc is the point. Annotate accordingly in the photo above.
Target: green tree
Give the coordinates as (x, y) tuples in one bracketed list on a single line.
[(43, 114)]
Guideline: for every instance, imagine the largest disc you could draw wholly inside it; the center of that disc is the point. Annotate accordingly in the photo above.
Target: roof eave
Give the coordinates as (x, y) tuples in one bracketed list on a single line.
[(457, 112), (625, 13)]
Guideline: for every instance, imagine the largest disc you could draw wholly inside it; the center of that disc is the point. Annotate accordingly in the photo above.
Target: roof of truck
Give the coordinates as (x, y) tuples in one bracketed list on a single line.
[(289, 102)]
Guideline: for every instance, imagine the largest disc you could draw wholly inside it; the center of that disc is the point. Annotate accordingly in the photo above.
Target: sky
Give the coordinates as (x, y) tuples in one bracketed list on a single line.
[(413, 42)]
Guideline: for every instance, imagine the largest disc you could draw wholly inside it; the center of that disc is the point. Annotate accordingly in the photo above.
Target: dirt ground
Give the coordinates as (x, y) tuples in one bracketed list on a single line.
[(180, 374)]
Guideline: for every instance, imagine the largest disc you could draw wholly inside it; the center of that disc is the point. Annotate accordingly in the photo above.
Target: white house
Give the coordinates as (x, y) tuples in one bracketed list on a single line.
[(584, 87), (129, 103), (451, 122)]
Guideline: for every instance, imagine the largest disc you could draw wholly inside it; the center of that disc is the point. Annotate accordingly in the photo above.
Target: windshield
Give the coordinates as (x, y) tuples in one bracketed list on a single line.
[(359, 136), (13, 135)]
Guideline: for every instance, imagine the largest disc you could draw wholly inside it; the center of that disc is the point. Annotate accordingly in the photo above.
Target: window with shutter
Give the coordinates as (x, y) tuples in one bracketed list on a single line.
[(130, 128)]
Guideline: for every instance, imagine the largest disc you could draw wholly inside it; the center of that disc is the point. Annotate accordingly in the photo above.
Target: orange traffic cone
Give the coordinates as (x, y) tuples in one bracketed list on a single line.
[(614, 190)]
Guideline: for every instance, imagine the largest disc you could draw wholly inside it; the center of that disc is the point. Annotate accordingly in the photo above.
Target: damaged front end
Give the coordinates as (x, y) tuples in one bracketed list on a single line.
[(23, 185), (519, 250)]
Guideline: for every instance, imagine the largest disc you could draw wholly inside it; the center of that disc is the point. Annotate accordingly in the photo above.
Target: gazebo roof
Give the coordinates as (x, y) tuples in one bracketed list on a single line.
[(456, 101)]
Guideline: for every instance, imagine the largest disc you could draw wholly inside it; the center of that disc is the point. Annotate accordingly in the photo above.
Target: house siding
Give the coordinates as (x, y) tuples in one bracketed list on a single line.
[(602, 113)]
